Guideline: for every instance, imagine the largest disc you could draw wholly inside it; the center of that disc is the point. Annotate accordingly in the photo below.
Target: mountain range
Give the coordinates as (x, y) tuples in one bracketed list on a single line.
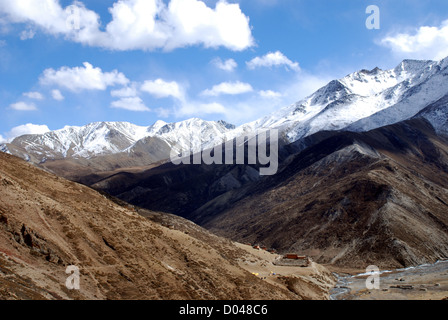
[(361, 101), (363, 175)]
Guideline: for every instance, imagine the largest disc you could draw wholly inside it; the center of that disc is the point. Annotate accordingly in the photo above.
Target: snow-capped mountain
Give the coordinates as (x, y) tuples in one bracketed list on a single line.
[(106, 138), (364, 100), (193, 134), (361, 101)]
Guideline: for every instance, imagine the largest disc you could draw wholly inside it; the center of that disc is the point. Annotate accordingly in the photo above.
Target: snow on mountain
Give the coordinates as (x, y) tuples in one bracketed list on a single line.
[(93, 139), (426, 84), (4, 148), (103, 138), (437, 114), (193, 134), (363, 100)]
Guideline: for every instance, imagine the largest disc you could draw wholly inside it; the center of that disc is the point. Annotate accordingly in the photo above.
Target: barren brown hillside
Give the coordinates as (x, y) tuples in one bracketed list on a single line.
[(351, 199), (48, 223)]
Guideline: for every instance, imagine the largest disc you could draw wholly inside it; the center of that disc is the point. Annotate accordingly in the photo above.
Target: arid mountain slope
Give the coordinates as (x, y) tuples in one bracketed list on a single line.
[(48, 223), (353, 199), (379, 197)]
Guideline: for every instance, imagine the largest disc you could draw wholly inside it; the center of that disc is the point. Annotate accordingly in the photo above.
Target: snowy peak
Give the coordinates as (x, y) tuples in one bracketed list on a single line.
[(104, 138), (360, 101), (84, 142), (367, 83), (193, 134), (364, 100), (424, 83)]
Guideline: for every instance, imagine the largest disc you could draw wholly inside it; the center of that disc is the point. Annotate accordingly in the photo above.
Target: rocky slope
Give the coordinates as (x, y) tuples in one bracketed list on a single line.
[(48, 223), (353, 199), (379, 197)]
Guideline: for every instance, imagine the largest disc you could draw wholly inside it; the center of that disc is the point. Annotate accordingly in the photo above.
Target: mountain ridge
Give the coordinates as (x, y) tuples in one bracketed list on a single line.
[(345, 200), (360, 101)]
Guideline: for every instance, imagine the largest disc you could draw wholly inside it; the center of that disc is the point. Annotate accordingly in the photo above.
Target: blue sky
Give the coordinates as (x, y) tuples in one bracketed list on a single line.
[(146, 60)]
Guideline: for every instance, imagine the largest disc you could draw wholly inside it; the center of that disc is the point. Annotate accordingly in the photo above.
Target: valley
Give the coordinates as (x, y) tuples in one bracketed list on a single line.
[(362, 180)]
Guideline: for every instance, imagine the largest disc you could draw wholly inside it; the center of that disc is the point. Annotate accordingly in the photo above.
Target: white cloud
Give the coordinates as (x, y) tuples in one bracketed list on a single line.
[(57, 95), (23, 106), (25, 130), (124, 92), (34, 95), (193, 22), (424, 43), (254, 106), (2, 140), (82, 78), (139, 24), (198, 109), (229, 88), (162, 89), (27, 34), (269, 94), (163, 112), (131, 104), (47, 14), (250, 106), (273, 59), (227, 65)]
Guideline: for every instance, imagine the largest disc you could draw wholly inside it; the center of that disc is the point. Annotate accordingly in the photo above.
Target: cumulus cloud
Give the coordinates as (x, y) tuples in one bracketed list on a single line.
[(47, 14), (139, 24), (82, 78), (273, 59), (424, 43), (25, 130), (227, 65), (131, 104), (23, 106), (229, 88), (162, 89), (34, 95), (57, 95)]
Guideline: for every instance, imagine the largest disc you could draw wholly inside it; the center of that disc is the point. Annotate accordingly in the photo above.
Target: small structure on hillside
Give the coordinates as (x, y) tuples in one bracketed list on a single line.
[(294, 256), (293, 260)]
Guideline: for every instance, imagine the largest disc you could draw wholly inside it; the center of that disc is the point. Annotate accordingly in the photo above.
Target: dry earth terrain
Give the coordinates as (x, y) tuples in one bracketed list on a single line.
[(48, 223)]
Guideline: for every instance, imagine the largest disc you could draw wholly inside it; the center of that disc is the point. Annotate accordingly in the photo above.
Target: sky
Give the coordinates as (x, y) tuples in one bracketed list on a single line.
[(71, 63)]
